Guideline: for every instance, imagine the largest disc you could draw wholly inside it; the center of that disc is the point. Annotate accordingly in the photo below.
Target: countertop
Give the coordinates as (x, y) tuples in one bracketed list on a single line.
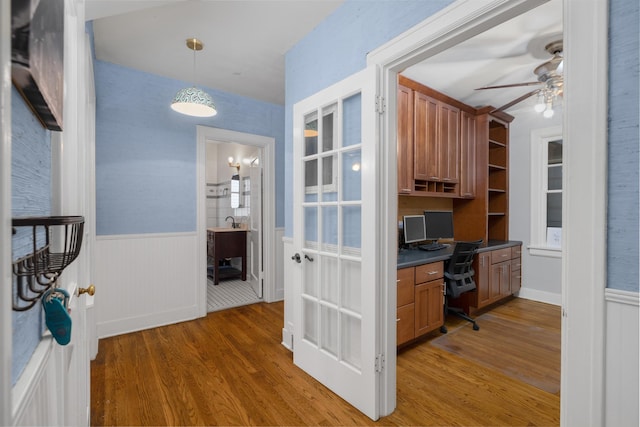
[(413, 257), (225, 229)]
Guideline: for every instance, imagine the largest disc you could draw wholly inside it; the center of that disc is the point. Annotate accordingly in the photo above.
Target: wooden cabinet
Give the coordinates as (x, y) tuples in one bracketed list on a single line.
[(498, 180), (420, 300), (497, 277), (467, 155), (430, 123), (405, 140)]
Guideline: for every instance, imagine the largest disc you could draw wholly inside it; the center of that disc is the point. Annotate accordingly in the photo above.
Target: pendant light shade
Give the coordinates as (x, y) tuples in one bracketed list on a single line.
[(193, 101)]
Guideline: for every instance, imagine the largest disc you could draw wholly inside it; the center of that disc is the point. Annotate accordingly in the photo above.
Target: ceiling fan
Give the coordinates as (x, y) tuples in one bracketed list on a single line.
[(549, 78)]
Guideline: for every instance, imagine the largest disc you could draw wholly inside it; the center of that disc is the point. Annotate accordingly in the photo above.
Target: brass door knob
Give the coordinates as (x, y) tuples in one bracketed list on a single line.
[(91, 290)]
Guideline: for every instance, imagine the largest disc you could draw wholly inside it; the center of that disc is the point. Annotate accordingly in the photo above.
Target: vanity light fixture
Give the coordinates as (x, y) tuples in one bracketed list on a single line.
[(193, 101)]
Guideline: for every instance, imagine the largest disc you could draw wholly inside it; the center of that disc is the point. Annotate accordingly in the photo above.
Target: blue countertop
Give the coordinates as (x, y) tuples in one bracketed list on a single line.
[(413, 257)]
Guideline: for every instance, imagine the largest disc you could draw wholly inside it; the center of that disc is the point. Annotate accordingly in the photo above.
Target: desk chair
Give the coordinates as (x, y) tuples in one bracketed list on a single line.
[(458, 276)]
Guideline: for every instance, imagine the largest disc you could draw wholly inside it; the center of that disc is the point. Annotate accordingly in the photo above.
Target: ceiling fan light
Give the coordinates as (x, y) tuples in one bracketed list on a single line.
[(548, 113), (194, 102)]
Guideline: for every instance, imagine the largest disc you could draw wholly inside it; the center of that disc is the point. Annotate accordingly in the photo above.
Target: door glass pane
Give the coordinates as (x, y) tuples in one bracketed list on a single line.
[(554, 209), (350, 285), (309, 314), (330, 228), (311, 134), (351, 223), (351, 340), (328, 131), (329, 191), (310, 286), (310, 227), (351, 176), (310, 174), (329, 279), (554, 178), (329, 322), (351, 116)]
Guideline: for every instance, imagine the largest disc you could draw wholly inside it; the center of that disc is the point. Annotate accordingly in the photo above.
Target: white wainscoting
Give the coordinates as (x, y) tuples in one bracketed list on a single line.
[(279, 285), (287, 329), (621, 358), (144, 281), (35, 397)]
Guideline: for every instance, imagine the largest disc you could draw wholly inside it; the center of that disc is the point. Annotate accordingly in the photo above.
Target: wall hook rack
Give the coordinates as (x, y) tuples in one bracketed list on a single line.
[(56, 242)]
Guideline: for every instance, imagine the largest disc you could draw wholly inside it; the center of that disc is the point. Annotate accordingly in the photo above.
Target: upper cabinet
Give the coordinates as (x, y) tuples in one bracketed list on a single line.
[(433, 135)]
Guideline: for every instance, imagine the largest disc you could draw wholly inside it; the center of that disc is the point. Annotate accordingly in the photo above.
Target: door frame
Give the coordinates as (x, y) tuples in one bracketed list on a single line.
[(585, 24), (5, 215), (204, 134)]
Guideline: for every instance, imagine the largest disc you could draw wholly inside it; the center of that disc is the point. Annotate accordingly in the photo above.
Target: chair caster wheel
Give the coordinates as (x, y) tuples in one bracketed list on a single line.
[(443, 329), (476, 327)]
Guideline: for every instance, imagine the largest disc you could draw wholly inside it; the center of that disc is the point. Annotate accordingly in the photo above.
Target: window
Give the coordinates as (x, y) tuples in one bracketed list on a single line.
[(546, 192)]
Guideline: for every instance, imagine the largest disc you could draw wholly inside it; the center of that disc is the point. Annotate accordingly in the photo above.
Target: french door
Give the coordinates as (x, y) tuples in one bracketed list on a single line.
[(336, 288), (255, 226)]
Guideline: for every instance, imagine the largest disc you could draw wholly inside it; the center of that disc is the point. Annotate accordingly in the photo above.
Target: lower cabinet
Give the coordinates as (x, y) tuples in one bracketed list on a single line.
[(420, 300), (498, 275)]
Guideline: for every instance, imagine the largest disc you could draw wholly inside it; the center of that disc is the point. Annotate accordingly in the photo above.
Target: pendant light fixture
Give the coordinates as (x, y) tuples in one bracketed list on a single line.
[(193, 101)]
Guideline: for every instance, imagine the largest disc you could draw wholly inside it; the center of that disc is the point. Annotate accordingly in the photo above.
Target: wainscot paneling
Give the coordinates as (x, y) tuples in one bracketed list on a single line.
[(35, 398), (279, 285), (621, 358), (144, 281)]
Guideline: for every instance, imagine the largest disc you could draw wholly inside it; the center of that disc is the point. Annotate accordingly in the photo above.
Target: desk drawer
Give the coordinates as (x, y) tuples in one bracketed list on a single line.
[(516, 251), (500, 255), (405, 324), (427, 272), (405, 286)]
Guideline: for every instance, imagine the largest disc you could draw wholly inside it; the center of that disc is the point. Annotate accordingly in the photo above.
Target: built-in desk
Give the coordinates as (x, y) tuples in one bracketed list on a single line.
[(225, 243), (420, 284)]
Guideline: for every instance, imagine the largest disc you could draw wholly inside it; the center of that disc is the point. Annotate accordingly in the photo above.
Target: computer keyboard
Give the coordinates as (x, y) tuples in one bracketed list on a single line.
[(432, 247)]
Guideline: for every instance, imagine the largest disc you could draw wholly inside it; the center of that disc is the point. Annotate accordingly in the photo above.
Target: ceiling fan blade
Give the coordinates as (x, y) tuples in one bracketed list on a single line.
[(509, 85), (517, 100)]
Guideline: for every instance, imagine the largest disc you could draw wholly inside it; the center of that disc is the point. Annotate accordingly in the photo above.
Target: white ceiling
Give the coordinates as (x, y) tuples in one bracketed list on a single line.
[(245, 42)]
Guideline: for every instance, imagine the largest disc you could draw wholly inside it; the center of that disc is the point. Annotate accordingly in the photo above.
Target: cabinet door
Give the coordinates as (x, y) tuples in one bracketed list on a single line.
[(482, 278), (448, 142), (429, 306), (405, 286), (404, 324), (505, 279), (405, 140), (425, 137), (494, 287), (516, 278), (467, 155)]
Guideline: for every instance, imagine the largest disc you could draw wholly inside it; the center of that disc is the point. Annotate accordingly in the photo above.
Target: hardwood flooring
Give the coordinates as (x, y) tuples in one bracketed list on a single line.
[(230, 369)]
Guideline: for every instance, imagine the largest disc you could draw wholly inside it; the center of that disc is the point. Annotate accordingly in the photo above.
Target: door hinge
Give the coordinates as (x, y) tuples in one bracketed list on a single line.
[(379, 362), (380, 104)]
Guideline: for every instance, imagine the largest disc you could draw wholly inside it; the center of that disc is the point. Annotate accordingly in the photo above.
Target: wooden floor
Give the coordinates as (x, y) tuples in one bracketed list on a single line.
[(230, 369)]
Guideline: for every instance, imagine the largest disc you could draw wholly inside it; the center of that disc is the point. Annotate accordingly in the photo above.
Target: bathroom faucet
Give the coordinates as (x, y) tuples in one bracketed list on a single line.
[(233, 221)]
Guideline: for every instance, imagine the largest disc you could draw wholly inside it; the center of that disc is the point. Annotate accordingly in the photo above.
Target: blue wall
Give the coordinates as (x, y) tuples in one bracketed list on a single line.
[(30, 196), (146, 152), (624, 103), (337, 48)]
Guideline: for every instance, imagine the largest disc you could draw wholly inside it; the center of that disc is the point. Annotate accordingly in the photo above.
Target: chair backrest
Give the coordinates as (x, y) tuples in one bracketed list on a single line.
[(459, 271)]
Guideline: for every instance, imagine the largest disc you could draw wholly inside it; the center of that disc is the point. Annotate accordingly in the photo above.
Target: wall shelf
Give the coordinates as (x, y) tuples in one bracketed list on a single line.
[(55, 242)]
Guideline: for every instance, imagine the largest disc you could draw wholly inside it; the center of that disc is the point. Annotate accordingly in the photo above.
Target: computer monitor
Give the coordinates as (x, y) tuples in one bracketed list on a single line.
[(414, 229), (439, 224)]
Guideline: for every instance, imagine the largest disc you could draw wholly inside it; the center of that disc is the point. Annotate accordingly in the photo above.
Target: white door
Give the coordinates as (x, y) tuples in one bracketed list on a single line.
[(255, 226), (336, 291)]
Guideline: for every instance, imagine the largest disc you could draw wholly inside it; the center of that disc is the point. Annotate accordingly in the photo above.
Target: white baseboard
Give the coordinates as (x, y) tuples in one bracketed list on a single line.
[(621, 359), (540, 296)]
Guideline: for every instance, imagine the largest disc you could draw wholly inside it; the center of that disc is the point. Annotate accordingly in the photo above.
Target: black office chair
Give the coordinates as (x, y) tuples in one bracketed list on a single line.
[(458, 276)]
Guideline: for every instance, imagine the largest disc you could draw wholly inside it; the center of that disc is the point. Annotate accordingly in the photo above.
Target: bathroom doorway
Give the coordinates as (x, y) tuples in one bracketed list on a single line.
[(234, 212), (236, 191)]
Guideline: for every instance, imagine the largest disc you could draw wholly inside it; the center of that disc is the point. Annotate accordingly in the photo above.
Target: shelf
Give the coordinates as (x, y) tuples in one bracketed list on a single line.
[(497, 167), (496, 143), (496, 214), (39, 270), (497, 190)]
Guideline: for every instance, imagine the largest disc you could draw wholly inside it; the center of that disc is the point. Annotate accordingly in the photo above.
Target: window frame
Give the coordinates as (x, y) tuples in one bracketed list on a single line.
[(540, 139)]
